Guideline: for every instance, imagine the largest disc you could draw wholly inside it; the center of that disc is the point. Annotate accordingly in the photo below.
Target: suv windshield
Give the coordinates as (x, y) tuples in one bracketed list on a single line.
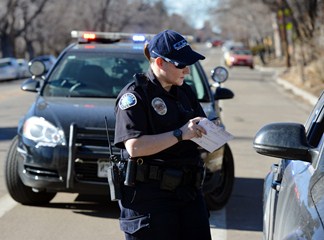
[(93, 74), (104, 74)]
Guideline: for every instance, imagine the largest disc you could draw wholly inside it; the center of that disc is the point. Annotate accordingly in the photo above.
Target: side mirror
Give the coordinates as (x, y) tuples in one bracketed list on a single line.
[(30, 85), (223, 93), (219, 74), (283, 140), (37, 68)]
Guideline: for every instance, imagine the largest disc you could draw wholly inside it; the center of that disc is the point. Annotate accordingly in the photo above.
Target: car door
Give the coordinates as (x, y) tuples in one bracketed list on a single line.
[(296, 215)]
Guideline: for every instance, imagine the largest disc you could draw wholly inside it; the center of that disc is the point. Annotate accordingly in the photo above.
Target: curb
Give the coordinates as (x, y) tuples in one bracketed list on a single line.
[(297, 91)]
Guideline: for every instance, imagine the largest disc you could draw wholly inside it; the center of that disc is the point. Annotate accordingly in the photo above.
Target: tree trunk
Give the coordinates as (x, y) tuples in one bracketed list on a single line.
[(7, 45), (300, 60)]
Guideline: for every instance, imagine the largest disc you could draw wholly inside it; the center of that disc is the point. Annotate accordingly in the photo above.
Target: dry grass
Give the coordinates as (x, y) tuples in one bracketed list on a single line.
[(313, 80)]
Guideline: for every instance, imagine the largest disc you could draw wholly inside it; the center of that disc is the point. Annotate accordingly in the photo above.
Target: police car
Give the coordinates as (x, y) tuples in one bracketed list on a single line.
[(64, 141)]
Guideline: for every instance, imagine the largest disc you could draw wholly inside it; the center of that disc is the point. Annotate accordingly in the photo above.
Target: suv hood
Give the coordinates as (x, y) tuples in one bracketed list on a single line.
[(85, 112)]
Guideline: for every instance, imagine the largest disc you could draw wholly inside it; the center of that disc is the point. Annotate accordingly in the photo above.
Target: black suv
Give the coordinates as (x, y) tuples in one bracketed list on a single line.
[(62, 144)]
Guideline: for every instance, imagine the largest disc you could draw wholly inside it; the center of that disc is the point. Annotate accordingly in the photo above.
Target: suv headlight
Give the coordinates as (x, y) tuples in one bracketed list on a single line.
[(43, 132)]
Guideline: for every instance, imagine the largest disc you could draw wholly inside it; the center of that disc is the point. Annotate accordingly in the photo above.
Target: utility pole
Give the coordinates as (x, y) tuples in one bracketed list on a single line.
[(283, 13)]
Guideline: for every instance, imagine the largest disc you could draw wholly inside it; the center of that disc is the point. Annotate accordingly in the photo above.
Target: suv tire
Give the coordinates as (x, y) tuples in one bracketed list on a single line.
[(218, 186), (17, 190)]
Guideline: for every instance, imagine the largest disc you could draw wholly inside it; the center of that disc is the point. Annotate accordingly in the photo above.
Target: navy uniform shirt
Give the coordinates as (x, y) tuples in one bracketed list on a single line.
[(168, 111)]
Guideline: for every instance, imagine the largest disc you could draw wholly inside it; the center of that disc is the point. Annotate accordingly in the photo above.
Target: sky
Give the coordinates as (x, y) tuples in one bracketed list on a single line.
[(196, 10)]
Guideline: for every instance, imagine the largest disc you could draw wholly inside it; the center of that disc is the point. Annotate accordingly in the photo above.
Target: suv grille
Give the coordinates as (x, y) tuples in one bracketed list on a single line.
[(86, 147)]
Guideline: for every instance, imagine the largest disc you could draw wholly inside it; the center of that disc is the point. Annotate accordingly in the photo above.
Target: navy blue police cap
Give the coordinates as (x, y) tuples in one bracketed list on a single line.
[(172, 46)]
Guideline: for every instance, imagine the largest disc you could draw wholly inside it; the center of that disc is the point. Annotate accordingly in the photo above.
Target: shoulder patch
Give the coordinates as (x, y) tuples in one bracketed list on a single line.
[(127, 100)]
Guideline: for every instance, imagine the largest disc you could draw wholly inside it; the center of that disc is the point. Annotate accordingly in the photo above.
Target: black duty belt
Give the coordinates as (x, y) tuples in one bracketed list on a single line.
[(170, 177)]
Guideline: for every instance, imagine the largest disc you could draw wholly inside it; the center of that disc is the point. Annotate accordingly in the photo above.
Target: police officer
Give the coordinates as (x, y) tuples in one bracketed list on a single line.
[(156, 116)]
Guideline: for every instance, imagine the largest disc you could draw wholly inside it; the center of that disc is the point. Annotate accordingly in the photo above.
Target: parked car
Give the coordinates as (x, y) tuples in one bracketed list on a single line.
[(293, 194), (23, 68), (61, 143), (230, 45), (214, 43), (9, 69)]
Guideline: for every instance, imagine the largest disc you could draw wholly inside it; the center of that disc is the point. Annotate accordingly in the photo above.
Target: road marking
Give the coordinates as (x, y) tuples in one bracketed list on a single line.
[(6, 204), (217, 222)]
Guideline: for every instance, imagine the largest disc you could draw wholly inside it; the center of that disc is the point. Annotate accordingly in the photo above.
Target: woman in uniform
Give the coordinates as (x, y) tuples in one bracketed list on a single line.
[(156, 116)]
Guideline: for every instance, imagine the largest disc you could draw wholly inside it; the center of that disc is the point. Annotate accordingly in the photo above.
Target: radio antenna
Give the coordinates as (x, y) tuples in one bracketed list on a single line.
[(112, 157)]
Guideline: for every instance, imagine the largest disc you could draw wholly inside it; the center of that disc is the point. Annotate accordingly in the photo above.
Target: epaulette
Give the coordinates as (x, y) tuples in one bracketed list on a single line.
[(140, 79)]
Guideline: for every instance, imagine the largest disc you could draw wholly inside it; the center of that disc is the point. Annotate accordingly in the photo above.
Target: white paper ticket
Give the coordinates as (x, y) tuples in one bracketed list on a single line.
[(215, 138)]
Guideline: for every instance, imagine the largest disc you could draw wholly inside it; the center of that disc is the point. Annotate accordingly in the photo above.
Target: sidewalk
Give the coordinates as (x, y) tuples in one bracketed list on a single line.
[(279, 69)]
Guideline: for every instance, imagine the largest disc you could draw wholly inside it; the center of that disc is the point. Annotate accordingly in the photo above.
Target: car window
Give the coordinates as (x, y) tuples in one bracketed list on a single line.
[(194, 79), (5, 64), (315, 123), (94, 74), (315, 130), (242, 52), (320, 149)]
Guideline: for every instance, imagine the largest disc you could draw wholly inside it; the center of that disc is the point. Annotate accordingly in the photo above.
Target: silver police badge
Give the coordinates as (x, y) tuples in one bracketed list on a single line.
[(127, 100), (159, 106)]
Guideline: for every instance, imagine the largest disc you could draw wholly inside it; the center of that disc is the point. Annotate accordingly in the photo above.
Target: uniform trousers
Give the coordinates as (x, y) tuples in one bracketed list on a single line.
[(149, 213)]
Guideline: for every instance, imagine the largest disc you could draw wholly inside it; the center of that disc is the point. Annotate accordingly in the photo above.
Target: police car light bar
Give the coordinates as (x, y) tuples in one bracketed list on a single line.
[(88, 36)]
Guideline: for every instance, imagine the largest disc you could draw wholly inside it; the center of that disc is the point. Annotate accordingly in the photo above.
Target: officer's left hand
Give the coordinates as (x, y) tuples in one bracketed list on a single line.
[(191, 129)]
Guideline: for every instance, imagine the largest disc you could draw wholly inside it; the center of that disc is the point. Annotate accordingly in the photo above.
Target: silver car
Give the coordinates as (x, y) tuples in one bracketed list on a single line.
[(9, 69), (293, 198)]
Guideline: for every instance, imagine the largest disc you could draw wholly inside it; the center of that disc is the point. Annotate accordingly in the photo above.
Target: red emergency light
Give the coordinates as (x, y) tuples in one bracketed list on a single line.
[(91, 36)]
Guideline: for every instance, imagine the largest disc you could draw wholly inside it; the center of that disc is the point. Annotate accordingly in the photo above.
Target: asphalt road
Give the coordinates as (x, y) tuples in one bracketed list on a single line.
[(258, 100)]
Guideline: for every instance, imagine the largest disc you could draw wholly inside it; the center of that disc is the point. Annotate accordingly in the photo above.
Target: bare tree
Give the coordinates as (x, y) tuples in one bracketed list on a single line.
[(44, 26), (304, 21), (16, 17), (243, 20)]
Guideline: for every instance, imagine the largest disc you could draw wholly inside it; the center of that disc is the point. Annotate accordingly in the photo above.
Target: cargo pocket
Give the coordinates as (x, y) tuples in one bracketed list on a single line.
[(134, 224)]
